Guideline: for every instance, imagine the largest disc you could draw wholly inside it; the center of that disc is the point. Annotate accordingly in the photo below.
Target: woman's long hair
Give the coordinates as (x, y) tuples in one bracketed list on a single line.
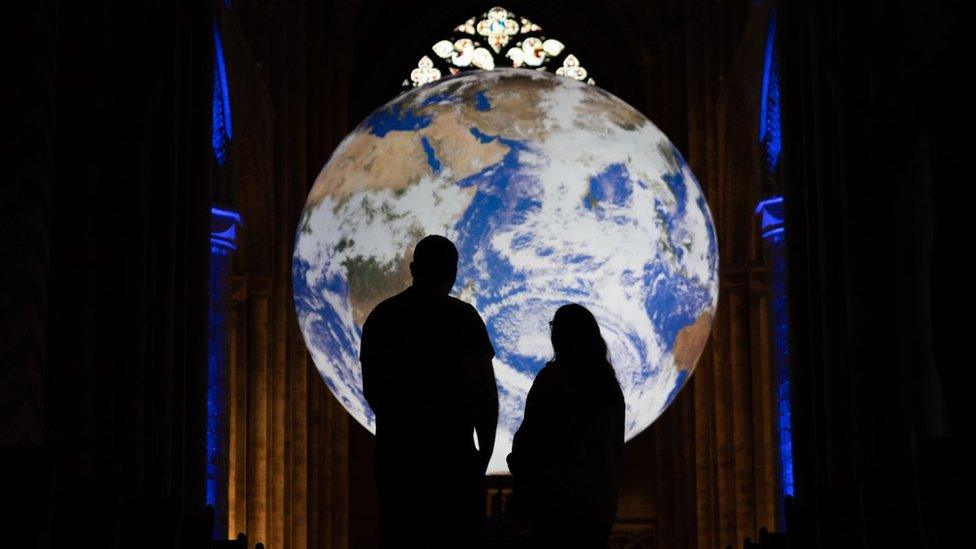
[(577, 341)]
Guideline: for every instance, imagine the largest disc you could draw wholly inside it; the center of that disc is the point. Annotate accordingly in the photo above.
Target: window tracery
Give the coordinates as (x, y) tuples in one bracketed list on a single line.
[(497, 38)]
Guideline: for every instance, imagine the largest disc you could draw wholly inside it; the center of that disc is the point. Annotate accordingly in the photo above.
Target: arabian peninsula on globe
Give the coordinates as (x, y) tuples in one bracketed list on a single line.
[(554, 191)]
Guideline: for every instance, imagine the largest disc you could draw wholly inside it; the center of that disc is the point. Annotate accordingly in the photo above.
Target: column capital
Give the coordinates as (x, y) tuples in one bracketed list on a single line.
[(223, 229)]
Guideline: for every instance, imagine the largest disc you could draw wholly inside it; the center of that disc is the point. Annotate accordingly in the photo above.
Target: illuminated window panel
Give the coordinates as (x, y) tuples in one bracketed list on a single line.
[(498, 38)]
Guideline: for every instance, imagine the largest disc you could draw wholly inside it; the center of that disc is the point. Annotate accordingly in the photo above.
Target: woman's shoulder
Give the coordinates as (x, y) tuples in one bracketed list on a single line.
[(546, 374), (547, 379)]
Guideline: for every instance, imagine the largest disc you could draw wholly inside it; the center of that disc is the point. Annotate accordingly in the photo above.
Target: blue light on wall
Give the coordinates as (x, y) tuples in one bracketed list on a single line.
[(223, 241), (769, 115), (781, 335), (221, 130), (223, 236), (223, 233), (771, 211)]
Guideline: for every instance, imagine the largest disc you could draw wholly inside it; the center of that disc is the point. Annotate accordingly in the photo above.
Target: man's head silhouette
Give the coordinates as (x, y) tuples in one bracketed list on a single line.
[(434, 265)]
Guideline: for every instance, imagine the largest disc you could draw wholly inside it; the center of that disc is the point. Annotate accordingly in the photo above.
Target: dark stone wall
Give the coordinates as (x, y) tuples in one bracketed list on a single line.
[(877, 134), (108, 210)]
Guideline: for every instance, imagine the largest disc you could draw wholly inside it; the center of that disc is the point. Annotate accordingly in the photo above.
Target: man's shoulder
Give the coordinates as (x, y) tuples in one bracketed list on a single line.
[(466, 313), (461, 306), (406, 303), (385, 308)]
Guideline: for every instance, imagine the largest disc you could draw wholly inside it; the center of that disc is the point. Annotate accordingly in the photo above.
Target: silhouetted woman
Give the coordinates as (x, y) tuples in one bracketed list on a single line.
[(566, 455)]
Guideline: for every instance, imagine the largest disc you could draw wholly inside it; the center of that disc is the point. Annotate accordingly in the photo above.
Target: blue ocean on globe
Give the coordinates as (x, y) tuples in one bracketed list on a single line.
[(554, 191)]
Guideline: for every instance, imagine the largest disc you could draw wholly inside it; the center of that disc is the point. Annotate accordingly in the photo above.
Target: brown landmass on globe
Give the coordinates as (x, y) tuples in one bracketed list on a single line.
[(460, 153), (598, 105), (690, 342), (363, 164), (514, 112)]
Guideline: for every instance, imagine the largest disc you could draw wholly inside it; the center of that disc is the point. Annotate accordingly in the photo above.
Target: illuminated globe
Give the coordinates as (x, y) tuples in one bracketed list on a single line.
[(554, 191)]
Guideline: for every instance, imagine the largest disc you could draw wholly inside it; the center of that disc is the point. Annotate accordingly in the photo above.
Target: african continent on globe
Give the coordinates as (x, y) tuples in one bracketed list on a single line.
[(554, 191)]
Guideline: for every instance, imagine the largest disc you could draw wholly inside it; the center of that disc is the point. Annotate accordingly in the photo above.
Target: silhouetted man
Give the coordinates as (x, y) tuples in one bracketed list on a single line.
[(427, 375)]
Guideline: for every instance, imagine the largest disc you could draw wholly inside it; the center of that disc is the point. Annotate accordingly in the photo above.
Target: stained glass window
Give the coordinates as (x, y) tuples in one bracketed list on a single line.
[(498, 38)]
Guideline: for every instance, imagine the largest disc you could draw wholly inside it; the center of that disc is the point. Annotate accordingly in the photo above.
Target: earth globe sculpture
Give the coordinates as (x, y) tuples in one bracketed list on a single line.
[(554, 191)]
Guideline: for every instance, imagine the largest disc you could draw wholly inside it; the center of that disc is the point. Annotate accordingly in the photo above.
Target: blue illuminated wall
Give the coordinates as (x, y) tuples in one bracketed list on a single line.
[(224, 222), (769, 123), (223, 238), (771, 215), (770, 211), (221, 129)]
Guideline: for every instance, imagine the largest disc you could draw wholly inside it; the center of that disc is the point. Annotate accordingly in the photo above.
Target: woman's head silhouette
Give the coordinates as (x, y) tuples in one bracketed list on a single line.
[(576, 337)]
